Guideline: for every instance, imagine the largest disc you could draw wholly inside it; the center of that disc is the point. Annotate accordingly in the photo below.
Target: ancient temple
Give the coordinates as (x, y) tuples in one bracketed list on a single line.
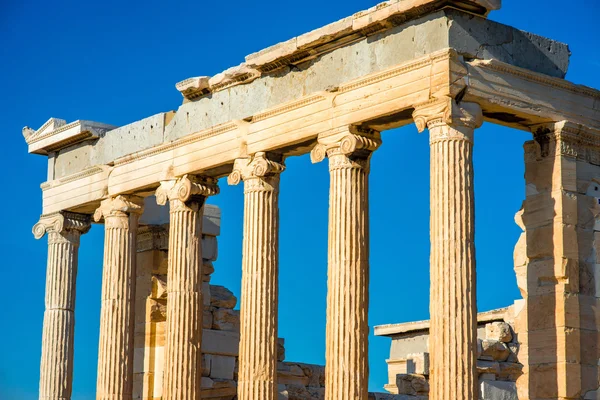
[(166, 333)]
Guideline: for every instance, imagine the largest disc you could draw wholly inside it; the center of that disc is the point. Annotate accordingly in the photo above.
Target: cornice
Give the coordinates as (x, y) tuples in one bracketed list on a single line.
[(311, 45), (56, 134)]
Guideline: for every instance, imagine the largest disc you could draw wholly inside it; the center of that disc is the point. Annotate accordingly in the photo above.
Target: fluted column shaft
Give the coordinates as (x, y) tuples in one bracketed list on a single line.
[(453, 302), (183, 356), (117, 323), (56, 368), (257, 377), (347, 331)]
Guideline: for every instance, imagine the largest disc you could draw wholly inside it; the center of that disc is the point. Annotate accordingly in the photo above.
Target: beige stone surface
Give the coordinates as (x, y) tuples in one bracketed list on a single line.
[(117, 312), (183, 356), (257, 377), (347, 331), (56, 366), (453, 306), (322, 92), (440, 73)]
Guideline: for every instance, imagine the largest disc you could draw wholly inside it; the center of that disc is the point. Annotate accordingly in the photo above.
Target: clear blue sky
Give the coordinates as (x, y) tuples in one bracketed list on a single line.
[(117, 62)]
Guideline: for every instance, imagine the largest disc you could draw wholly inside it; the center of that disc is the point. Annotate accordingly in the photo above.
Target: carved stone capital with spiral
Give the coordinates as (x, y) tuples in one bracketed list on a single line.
[(186, 189), (60, 222), (446, 111), (354, 144), (260, 172)]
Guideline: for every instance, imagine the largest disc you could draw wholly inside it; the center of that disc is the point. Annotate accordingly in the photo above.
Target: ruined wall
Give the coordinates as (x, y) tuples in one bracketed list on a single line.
[(556, 261), (498, 365)]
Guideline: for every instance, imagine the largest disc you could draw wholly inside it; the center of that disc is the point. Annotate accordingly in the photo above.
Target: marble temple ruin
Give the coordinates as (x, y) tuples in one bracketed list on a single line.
[(167, 333)]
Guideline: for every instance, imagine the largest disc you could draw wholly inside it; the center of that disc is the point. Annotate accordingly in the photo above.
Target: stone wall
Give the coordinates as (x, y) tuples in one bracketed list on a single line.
[(498, 365)]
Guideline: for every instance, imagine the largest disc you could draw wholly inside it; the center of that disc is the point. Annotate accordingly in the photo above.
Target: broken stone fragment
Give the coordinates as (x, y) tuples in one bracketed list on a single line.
[(510, 371), (221, 297), (159, 287), (494, 350), (514, 352), (226, 319), (193, 87), (488, 367), (499, 331), (412, 384), (280, 349), (240, 74), (158, 310), (207, 320)]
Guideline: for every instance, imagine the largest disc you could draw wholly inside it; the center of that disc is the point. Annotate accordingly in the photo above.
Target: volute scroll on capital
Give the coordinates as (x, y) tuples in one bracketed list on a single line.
[(61, 222), (353, 142), (119, 206), (446, 111), (262, 165), (185, 189)]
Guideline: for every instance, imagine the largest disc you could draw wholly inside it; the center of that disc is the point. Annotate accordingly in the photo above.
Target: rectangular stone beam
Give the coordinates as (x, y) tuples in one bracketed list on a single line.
[(520, 98), (508, 95)]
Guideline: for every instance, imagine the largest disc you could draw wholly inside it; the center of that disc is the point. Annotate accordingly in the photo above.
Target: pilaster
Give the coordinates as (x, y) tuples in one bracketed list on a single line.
[(117, 323), (347, 333), (257, 377), (56, 368), (453, 304)]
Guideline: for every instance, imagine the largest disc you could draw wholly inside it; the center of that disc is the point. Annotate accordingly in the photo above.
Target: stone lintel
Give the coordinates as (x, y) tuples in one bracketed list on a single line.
[(420, 41), (507, 94), (56, 134), (391, 330)]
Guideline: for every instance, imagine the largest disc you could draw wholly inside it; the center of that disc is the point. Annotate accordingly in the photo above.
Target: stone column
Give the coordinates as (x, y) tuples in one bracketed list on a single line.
[(347, 369), (453, 303), (56, 370), (117, 324), (183, 357), (257, 377)]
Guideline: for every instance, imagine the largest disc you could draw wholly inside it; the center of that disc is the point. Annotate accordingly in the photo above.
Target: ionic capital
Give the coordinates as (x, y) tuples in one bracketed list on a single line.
[(119, 206), (260, 167), (447, 111), (185, 189), (62, 222), (353, 142)]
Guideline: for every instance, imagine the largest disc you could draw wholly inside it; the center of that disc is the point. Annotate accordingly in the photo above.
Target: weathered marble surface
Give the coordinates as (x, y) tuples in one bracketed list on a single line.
[(472, 36)]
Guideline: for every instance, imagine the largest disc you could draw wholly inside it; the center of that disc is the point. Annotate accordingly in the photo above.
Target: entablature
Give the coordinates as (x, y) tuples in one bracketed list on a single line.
[(507, 95), (56, 134)]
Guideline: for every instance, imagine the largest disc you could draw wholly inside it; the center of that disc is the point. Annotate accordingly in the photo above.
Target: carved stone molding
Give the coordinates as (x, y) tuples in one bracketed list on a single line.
[(185, 189), (447, 111), (152, 237), (61, 222), (355, 143), (260, 172), (565, 139)]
